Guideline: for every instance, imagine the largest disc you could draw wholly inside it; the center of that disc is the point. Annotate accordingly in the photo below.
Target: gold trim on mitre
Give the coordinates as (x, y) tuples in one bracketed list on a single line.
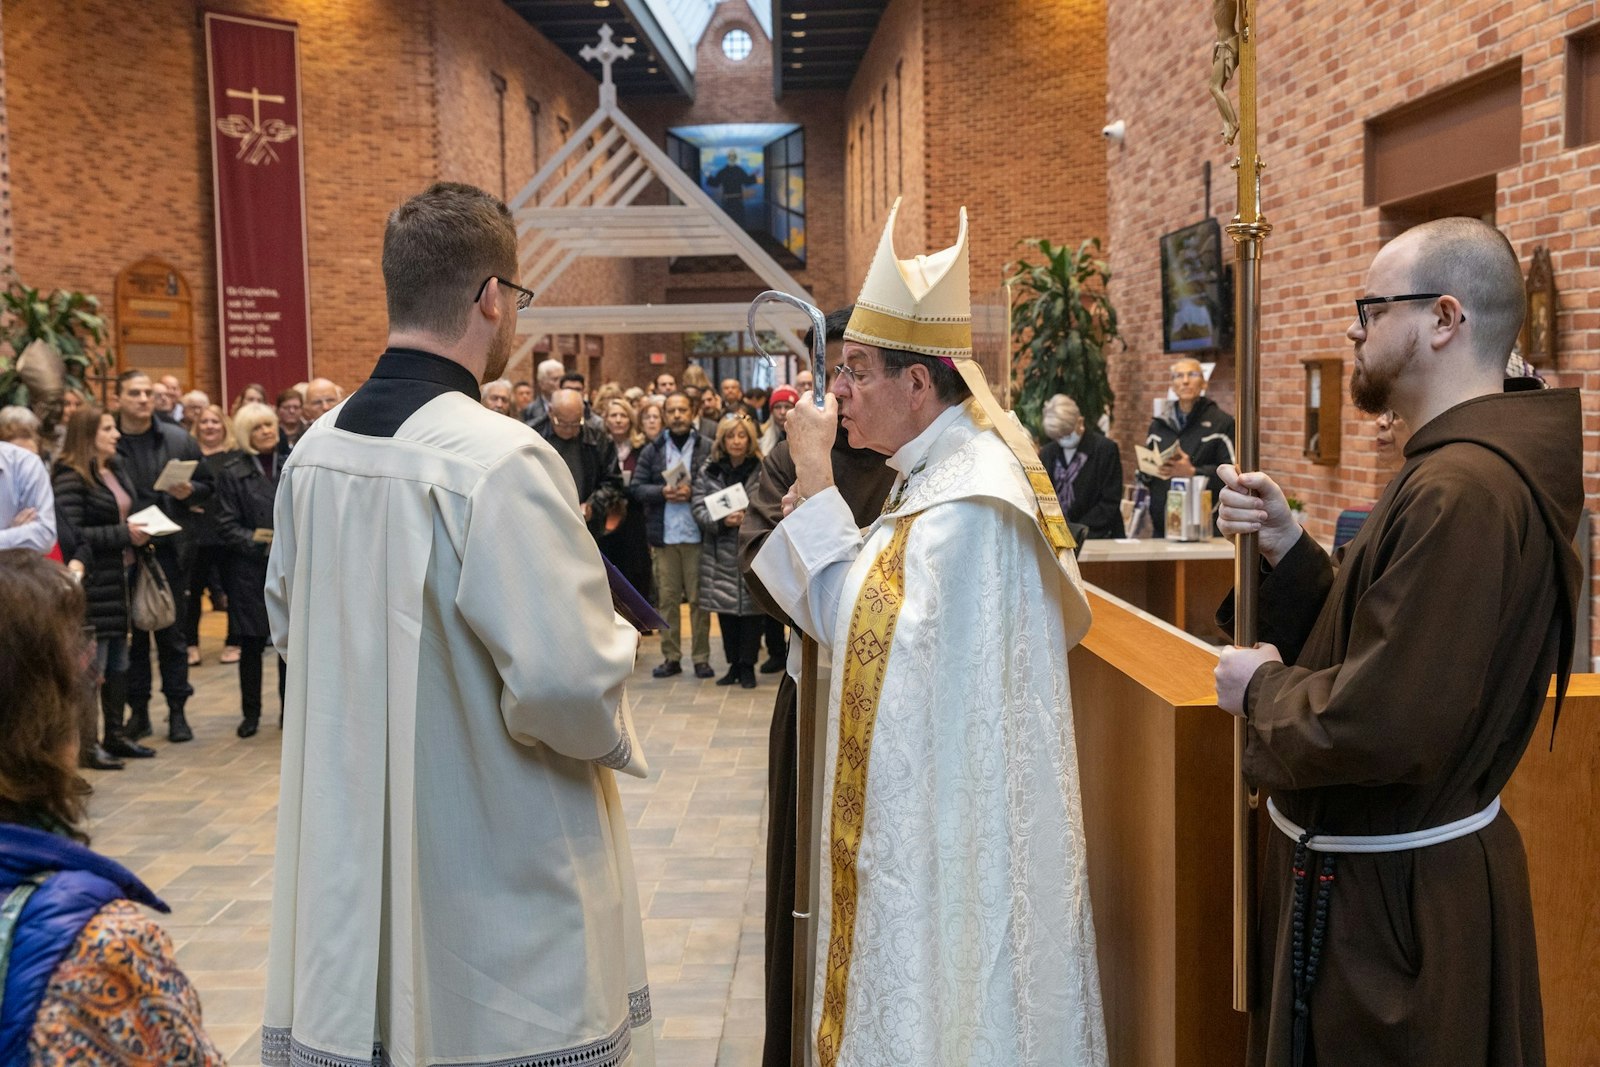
[(922, 304)]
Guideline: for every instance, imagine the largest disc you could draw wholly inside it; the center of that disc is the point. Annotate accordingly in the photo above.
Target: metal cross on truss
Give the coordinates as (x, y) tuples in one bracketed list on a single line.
[(607, 53)]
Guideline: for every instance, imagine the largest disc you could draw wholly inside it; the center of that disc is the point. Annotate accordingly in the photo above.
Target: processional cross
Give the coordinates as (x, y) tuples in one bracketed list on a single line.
[(1235, 50), (607, 53)]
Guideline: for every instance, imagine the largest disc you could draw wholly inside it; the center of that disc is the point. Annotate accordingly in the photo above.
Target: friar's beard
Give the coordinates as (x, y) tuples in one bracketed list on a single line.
[(1372, 384)]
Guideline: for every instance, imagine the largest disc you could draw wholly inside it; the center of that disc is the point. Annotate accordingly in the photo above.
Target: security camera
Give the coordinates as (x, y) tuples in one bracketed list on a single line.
[(1115, 132)]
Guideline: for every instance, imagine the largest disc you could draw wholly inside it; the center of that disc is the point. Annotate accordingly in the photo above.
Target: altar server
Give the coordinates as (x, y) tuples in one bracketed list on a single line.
[(452, 883), (954, 918)]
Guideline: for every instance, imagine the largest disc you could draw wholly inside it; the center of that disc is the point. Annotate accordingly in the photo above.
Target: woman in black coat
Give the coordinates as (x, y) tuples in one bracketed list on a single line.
[(213, 430), (735, 459), (93, 500), (247, 482), (624, 540)]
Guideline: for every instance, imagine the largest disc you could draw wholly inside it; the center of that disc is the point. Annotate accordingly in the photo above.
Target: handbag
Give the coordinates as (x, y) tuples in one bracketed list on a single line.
[(152, 607)]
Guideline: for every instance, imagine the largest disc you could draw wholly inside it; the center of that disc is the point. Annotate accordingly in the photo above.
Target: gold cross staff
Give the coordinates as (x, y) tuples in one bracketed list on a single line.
[(1235, 22)]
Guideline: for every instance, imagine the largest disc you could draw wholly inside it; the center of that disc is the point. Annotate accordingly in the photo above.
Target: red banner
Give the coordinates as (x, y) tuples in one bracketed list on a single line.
[(258, 181)]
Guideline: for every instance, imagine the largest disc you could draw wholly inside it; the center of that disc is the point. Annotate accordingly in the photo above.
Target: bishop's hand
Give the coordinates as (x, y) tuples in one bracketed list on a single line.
[(811, 432), (1253, 503)]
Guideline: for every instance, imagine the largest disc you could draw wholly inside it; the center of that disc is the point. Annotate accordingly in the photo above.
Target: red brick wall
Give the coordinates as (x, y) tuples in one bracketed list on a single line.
[(1002, 110), (110, 158), (5, 166), (729, 91), (895, 62), (1320, 82), (470, 47)]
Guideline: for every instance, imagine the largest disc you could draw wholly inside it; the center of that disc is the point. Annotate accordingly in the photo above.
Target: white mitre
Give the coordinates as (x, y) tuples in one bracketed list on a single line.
[(924, 305), (921, 305)]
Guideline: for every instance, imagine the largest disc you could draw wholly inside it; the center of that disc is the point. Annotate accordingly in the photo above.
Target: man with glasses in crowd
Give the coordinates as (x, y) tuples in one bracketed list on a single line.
[(589, 454), (1202, 431), (322, 396), (452, 880), (1400, 682)]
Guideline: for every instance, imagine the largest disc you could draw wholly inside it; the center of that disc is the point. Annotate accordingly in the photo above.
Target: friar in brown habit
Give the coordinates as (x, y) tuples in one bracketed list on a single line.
[(864, 480), (1403, 680)]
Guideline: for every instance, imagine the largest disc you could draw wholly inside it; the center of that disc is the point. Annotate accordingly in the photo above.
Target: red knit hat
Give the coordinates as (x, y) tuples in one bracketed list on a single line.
[(784, 394)]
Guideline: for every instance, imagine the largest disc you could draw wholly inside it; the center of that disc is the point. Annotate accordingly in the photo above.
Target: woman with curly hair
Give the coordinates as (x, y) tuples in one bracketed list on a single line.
[(89, 978)]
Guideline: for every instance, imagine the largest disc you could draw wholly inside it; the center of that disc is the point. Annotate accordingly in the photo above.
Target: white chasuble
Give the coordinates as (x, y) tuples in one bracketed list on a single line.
[(973, 938), (452, 883)]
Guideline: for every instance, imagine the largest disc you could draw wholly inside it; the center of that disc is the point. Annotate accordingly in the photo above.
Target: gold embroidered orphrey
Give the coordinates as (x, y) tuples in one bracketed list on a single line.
[(256, 137), (866, 661)]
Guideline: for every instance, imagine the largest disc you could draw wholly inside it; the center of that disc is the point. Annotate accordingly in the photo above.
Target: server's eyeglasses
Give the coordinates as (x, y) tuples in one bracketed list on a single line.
[(524, 296)]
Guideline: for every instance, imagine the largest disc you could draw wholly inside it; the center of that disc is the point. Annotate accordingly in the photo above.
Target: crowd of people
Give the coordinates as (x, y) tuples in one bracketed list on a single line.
[(81, 492), (645, 462)]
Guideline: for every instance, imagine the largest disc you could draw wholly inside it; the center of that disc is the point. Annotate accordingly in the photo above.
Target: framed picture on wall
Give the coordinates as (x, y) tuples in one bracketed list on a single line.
[(1196, 298)]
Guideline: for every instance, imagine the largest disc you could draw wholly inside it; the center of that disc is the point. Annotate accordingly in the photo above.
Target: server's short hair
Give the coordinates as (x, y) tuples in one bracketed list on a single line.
[(439, 247)]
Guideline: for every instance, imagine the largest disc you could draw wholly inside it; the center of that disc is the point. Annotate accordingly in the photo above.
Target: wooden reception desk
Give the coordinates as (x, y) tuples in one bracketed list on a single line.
[(1155, 760), (1180, 582)]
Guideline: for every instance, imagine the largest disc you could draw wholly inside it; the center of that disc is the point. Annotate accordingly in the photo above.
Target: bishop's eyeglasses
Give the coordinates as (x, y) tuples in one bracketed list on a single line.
[(524, 296)]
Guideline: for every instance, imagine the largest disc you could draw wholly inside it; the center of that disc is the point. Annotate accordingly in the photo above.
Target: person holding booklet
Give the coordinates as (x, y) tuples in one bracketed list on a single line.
[(721, 496), (1191, 436), (148, 448), (663, 485)]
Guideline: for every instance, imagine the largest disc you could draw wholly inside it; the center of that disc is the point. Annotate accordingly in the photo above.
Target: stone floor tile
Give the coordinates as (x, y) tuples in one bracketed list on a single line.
[(198, 821)]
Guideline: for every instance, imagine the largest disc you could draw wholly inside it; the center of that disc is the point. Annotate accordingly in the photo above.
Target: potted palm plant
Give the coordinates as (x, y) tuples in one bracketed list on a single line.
[(1062, 327)]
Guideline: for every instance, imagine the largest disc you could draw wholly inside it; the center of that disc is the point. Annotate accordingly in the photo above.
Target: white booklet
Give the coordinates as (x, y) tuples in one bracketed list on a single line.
[(732, 499), (154, 521), (676, 475), (176, 472)]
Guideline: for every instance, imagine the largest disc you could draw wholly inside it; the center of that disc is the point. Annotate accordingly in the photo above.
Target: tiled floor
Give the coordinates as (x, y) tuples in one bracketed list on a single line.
[(197, 823)]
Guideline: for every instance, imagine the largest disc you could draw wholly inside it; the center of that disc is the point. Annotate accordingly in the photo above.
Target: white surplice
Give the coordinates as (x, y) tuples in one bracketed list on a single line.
[(974, 939), (452, 881)]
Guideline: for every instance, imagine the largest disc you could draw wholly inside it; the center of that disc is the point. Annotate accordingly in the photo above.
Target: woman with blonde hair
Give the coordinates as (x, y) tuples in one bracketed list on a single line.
[(625, 540), (695, 375), (90, 977), (213, 431), (735, 459), (247, 482)]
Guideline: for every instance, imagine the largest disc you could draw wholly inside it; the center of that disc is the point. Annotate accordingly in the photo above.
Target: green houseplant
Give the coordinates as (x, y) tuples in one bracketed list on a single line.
[(68, 324), (1062, 327)]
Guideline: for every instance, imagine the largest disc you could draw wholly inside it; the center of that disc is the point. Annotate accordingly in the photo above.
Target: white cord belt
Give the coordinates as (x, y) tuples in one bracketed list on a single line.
[(1387, 842)]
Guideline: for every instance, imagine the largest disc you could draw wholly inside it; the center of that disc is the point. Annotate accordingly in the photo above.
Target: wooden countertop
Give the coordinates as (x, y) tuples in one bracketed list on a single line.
[(1153, 549)]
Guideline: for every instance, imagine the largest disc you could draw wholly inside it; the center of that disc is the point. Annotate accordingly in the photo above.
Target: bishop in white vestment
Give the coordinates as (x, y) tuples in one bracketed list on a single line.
[(452, 883), (954, 923)]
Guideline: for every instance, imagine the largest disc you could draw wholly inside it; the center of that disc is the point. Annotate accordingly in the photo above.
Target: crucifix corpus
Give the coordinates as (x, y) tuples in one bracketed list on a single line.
[(1235, 51)]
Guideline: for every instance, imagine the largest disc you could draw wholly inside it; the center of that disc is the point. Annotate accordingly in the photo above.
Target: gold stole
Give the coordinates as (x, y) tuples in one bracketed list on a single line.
[(866, 660)]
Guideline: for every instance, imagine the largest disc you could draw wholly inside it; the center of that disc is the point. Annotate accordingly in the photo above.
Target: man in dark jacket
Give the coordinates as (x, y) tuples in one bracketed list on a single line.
[(1202, 431), (146, 446), (673, 535), (590, 455), (1085, 466), (1395, 692)]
